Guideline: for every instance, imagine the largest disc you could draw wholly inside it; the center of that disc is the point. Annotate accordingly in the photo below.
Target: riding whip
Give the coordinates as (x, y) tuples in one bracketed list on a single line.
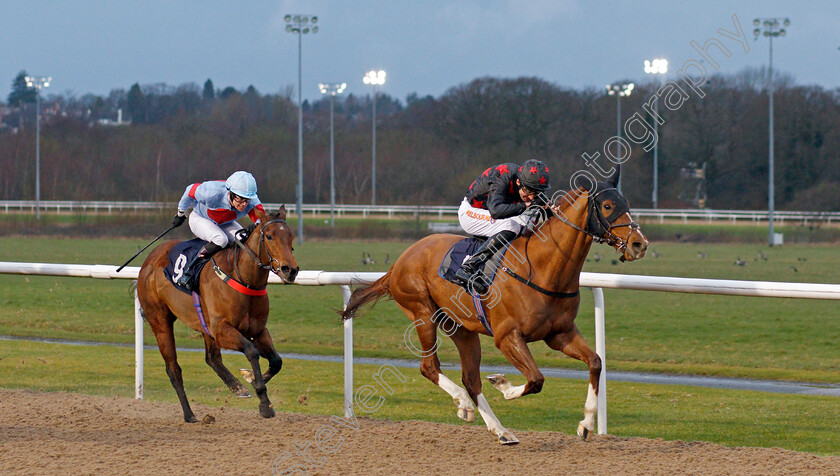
[(144, 248)]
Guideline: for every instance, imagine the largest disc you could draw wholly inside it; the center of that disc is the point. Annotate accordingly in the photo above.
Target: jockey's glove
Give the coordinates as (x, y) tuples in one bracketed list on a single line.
[(533, 215), (178, 220)]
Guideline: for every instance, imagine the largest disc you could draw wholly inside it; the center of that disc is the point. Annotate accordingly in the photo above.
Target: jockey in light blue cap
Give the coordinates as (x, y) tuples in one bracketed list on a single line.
[(216, 207)]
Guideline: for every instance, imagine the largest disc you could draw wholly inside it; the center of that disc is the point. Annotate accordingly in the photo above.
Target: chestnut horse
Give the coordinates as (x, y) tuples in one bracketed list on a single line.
[(542, 305), (235, 320)]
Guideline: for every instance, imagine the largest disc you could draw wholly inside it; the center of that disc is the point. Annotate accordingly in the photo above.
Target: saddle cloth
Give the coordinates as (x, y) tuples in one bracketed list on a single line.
[(181, 254), (460, 252)]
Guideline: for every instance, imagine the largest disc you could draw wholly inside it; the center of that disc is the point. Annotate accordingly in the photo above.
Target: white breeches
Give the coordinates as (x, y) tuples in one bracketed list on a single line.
[(477, 221), (208, 230)]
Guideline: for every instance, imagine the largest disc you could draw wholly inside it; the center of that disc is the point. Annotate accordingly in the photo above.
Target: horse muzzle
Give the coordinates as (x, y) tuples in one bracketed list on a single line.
[(287, 274), (636, 247)]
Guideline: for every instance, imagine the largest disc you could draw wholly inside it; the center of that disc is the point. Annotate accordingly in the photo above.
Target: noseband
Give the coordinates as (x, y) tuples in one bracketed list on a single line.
[(256, 257)]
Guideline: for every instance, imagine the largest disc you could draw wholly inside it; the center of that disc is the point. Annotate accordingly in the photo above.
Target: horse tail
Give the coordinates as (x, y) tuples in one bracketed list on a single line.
[(361, 296)]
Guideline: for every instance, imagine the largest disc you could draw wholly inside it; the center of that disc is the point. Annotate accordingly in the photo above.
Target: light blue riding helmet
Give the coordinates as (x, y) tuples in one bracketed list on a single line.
[(242, 184)]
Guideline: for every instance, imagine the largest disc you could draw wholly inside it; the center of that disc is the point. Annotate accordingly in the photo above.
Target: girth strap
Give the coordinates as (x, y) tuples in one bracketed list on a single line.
[(538, 288)]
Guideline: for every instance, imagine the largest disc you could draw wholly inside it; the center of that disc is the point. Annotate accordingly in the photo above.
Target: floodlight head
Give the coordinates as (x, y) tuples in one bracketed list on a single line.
[(314, 19), (757, 32), (756, 22), (374, 78), (287, 18), (787, 22)]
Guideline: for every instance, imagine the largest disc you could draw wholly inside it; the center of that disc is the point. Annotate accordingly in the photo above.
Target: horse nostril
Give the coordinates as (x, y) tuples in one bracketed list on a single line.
[(290, 272)]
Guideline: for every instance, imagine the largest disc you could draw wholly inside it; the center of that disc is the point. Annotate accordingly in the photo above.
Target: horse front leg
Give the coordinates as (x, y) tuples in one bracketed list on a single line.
[(572, 344), (513, 345), (230, 338), (266, 348), (213, 358)]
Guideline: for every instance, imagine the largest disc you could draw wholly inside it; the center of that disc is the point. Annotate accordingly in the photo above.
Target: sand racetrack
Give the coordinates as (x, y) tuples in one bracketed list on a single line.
[(62, 433)]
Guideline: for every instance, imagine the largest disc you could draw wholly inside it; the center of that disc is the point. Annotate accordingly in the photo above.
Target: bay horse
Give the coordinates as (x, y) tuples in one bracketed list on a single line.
[(542, 305), (234, 320)]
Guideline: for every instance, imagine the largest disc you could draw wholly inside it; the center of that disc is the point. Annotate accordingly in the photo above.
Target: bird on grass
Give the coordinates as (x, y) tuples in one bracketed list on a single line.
[(740, 262), (701, 255)]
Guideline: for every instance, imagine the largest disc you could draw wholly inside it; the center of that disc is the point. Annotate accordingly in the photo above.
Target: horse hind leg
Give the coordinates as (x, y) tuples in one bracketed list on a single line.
[(572, 344), (426, 329), (213, 358), (469, 349), (161, 324)]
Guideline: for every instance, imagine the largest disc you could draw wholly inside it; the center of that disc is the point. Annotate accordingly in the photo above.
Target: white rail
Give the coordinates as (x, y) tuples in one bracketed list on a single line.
[(660, 215), (597, 281)]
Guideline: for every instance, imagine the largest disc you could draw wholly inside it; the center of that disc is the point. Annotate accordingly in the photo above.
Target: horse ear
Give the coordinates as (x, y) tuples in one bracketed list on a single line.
[(260, 214), (281, 213), (613, 180)]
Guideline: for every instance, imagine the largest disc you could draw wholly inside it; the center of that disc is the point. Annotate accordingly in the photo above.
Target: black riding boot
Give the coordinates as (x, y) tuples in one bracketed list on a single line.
[(471, 266), (208, 250)]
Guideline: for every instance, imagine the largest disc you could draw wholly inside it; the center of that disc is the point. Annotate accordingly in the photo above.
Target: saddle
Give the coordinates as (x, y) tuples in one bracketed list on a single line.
[(460, 252), (181, 254)]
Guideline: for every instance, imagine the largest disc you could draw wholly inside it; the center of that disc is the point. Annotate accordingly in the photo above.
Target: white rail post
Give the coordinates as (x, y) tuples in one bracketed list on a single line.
[(348, 356), (138, 346), (601, 350)]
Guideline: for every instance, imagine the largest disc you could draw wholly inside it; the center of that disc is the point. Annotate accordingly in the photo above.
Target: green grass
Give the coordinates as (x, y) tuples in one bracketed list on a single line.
[(734, 418), (791, 339)]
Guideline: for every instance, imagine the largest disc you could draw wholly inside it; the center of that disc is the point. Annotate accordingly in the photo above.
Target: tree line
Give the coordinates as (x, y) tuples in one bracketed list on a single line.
[(712, 152)]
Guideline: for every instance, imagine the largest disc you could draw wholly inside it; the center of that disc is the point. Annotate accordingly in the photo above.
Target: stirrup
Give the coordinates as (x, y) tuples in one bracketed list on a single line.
[(473, 282), (184, 280)]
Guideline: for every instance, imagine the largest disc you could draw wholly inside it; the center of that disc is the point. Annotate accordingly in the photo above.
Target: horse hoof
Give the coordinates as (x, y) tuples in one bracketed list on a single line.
[(508, 439), (247, 374), (242, 392), (466, 414), (582, 431), (266, 411), (497, 379), (190, 419)]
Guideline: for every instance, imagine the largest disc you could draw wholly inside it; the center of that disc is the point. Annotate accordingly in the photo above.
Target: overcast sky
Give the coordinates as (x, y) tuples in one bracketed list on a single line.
[(426, 47)]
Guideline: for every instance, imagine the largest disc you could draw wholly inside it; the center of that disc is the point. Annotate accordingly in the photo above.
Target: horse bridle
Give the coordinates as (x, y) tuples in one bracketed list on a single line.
[(256, 257), (605, 232)]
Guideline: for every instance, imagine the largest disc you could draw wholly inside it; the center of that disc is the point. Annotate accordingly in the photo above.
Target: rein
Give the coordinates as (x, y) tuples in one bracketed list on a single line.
[(610, 239), (605, 225), (531, 285), (238, 284)]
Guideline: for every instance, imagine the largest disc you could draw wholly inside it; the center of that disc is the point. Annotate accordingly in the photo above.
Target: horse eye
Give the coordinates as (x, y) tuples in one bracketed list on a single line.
[(268, 237), (293, 248), (607, 206)]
